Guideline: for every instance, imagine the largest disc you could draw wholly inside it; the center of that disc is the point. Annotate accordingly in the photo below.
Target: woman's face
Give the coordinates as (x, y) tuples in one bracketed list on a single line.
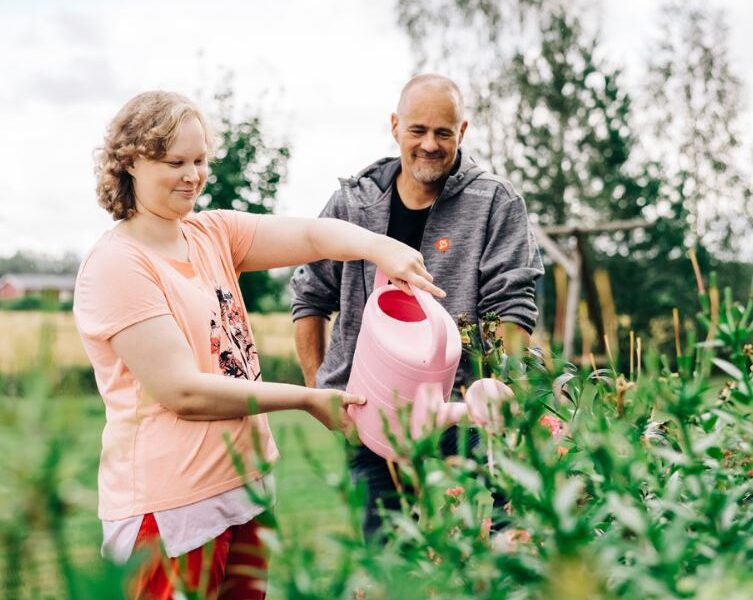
[(168, 187)]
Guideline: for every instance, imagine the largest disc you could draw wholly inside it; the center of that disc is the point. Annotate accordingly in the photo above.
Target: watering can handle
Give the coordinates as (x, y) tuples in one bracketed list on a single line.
[(429, 305), (380, 279)]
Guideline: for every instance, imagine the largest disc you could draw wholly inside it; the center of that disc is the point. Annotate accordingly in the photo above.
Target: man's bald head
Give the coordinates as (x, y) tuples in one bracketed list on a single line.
[(431, 83), (429, 127)]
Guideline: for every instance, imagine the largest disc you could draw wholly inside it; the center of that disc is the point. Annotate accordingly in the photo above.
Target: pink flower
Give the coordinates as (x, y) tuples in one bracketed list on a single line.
[(561, 450), (519, 535), (557, 427), (455, 492), (507, 541), (486, 527)]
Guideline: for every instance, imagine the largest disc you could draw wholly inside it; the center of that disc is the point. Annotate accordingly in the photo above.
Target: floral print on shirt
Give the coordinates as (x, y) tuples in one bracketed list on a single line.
[(230, 339)]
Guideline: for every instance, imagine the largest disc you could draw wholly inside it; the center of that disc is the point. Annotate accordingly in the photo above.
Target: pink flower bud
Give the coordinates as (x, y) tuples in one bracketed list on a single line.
[(557, 427), (455, 492), (486, 527)]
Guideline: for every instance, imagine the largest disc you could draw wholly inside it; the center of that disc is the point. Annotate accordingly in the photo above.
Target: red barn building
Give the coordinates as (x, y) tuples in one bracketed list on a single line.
[(54, 287)]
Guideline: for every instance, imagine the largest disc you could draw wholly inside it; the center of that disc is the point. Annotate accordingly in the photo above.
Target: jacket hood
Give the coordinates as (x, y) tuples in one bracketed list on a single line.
[(371, 184)]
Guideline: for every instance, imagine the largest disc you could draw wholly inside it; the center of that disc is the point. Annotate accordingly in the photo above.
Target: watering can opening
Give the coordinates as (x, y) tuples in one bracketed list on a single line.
[(401, 307)]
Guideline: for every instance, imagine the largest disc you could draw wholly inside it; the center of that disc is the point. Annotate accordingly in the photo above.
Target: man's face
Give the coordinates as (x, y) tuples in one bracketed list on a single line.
[(428, 130)]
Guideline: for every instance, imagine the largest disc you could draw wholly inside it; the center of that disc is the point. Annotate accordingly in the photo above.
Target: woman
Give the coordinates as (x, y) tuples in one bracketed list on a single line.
[(162, 319)]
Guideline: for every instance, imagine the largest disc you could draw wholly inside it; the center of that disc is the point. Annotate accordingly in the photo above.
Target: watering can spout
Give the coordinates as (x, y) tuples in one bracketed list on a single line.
[(481, 406), (431, 412)]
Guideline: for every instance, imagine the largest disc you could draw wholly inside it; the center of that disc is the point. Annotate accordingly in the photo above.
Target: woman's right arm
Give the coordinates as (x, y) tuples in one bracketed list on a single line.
[(282, 241), (159, 357)]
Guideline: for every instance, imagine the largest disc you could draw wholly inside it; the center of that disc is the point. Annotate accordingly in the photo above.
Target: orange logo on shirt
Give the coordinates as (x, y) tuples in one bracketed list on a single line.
[(443, 244)]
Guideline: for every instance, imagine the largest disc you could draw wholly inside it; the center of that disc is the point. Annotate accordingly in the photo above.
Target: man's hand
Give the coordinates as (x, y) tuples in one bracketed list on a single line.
[(515, 338)]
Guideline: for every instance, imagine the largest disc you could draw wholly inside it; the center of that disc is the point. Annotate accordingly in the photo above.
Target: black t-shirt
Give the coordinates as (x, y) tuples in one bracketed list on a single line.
[(406, 225)]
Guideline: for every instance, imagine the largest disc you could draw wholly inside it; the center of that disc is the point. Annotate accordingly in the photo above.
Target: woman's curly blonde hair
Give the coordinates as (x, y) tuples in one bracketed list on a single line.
[(145, 127)]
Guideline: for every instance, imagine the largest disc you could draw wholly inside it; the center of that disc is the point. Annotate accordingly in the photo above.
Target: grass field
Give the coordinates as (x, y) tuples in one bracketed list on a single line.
[(306, 507), (20, 339)]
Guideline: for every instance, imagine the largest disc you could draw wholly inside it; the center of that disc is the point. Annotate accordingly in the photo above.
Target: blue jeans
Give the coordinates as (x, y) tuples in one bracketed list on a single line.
[(372, 469)]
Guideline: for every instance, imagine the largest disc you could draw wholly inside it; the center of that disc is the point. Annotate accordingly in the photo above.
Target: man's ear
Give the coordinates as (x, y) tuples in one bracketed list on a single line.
[(393, 122), (463, 127)]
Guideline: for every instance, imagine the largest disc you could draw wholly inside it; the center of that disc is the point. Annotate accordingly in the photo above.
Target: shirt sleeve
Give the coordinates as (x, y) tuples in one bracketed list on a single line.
[(235, 228), (116, 287), (510, 263), (315, 287)]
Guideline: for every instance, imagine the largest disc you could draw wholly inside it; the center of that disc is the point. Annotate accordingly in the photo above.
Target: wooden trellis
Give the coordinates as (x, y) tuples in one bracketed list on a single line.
[(572, 263)]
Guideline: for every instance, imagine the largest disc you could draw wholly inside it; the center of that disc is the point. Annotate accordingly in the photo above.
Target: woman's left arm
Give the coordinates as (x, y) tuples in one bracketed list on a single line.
[(284, 241)]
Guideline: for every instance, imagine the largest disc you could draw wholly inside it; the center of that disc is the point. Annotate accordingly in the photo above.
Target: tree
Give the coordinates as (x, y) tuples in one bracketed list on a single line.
[(549, 112), (31, 262), (246, 175), (692, 106), (552, 115)]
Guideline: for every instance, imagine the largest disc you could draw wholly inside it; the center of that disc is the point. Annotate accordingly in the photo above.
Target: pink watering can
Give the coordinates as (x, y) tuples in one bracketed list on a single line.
[(407, 354)]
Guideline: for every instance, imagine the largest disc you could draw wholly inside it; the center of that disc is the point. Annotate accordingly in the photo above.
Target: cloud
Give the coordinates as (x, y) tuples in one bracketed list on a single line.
[(55, 57), (81, 80), (80, 29), (334, 69)]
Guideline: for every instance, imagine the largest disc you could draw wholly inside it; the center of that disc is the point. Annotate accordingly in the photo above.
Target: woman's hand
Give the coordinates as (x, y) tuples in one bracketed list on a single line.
[(403, 265), (328, 407)]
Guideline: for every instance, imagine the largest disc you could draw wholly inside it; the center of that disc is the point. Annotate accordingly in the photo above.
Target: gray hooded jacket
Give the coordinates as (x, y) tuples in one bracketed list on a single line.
[(477, 244)]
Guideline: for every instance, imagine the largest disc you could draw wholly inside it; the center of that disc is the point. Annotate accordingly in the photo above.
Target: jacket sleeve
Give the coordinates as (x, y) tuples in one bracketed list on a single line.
[(315, 287), (510, 263)]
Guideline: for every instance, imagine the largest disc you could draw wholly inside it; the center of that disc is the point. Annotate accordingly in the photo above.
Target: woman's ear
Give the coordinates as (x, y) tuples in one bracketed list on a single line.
[(131, 166)]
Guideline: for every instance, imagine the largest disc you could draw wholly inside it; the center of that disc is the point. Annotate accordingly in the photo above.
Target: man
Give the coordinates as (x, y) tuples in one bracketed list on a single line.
[(471, 227)]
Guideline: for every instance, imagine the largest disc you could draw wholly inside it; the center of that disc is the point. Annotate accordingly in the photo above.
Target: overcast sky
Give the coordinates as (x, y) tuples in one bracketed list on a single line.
[(325, 76)]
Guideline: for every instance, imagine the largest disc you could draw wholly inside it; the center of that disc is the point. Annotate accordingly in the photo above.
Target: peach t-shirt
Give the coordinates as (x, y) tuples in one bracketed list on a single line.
[(151, 459)]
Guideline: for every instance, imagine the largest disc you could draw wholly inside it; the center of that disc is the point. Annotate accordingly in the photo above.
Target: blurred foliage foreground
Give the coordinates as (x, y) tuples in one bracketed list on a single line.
[(632, 484)]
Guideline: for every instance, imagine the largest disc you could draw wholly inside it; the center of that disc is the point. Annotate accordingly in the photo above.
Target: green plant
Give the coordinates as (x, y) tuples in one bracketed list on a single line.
[(31, 303), (634, 484), (620, 485), (46, 498)]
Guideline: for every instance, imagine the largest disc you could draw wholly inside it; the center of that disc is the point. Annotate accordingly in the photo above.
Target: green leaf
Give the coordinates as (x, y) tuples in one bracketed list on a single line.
[(626, 513), (564, 500), (527, 477), (728, 368)]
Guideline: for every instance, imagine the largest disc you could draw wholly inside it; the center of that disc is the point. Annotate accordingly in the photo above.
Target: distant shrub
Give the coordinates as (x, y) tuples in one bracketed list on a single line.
[(63, 381), (35, 303), (24, 303), (281, 369)]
